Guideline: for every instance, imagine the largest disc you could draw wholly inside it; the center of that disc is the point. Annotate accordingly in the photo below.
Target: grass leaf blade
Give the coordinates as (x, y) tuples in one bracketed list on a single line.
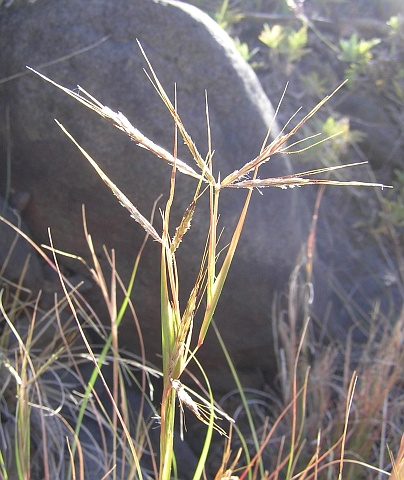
[(123, 199)]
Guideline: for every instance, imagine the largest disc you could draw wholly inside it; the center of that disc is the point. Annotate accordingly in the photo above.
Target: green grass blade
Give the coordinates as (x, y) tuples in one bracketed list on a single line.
[(243, 401), (221, 278)]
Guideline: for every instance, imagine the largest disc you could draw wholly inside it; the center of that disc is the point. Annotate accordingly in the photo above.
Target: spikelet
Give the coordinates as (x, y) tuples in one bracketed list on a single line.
[(184, 226), (201, 412)]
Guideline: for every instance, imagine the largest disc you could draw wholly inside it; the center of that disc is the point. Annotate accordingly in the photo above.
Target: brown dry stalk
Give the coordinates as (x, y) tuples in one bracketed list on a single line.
[(123, 199), (122, 123)]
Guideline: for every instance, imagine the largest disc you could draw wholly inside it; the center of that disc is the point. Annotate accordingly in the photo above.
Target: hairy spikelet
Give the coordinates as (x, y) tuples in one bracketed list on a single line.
[(184, 226)]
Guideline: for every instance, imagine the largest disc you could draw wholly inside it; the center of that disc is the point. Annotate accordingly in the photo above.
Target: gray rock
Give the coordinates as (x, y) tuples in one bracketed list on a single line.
[(18, 260), (187, 48)]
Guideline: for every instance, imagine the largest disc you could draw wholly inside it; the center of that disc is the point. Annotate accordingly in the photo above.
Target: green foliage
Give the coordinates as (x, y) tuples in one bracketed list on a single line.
[(226, 16), (315, 84), (285, 43), (376, 67), (393, 205), (339, 137), (272, 37), (396, 41), (339, 130), (394, 212), (396, 23), (357, 51), (244, 50), (340, 134)]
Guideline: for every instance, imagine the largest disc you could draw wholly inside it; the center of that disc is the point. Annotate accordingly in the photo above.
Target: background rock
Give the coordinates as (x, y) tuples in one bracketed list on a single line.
[(187, 48), (16, 254)]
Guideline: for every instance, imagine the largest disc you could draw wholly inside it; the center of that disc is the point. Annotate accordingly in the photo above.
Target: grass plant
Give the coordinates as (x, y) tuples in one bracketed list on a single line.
[(325, 422)]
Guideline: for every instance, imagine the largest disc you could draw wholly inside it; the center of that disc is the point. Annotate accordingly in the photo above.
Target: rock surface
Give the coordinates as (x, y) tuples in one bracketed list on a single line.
[(187, 48), (18, 260)]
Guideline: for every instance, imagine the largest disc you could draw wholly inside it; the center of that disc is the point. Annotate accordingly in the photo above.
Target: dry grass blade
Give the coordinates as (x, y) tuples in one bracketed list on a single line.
[(122, 123), (63, 58), (315, 110), (263, 157), (218, 282), (178, 122), (298, 180), (398, 463), (225, 472), (290, 182), (123, 199), (274, 147)]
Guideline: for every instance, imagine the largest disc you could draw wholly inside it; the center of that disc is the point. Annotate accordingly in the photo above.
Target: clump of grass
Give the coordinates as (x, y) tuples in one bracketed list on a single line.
[(326, 419), (177, 324), (57, 420)]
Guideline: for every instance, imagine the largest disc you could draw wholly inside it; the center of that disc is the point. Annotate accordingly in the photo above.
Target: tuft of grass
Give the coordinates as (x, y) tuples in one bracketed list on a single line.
[(311, 427), (56, 421), (177, 324)]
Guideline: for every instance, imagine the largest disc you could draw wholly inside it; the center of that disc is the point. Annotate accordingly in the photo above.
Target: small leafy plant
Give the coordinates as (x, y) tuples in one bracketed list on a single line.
[(357, 53), (285, 43), (244, 50)]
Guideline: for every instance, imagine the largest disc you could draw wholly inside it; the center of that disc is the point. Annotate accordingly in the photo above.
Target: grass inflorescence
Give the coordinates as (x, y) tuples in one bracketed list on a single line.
[(325, 421)]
